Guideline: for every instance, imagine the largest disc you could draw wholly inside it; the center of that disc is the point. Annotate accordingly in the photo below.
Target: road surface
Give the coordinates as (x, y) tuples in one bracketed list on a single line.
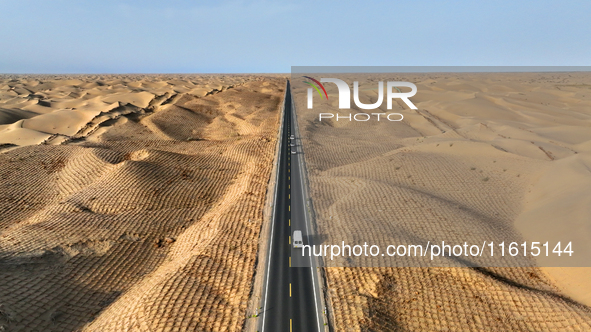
[(291, 296)]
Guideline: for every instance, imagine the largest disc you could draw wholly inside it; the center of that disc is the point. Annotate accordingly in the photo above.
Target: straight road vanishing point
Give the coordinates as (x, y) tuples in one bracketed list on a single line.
[(291, 294)]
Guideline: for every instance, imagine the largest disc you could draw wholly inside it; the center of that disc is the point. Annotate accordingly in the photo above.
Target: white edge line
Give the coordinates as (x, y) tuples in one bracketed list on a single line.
[(306, 218), (274, 207)]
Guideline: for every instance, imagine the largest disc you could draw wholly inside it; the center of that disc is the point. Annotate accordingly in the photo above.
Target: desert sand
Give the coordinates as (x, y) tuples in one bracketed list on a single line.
[(136, 201), (486, 155), (132, 202)]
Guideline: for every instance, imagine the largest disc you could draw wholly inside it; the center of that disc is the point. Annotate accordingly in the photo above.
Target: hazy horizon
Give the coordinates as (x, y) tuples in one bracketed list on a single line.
[(269, 37)]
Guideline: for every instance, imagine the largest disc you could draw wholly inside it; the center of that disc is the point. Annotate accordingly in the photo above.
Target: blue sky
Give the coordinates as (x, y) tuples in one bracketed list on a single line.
[(177, 36)]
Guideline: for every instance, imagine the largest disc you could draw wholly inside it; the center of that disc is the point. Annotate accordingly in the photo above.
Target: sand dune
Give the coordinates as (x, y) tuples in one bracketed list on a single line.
[(495, 157), (129, 203)]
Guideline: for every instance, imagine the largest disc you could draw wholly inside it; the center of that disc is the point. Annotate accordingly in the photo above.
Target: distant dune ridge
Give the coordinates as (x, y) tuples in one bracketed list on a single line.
[(132, 202), (495, 156)]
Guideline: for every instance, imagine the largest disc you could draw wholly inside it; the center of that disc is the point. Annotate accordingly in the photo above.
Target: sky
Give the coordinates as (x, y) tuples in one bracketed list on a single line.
[(176, 36)]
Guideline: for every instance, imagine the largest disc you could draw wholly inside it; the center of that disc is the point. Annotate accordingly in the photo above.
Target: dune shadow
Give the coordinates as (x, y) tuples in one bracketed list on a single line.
[(317, 239)]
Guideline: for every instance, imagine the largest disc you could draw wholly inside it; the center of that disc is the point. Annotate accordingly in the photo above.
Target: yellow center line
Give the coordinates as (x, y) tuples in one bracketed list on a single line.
[(289, 196), (290, 289), (289, 208), (290, 325), (290, 239), (289, 222), (289, 261)]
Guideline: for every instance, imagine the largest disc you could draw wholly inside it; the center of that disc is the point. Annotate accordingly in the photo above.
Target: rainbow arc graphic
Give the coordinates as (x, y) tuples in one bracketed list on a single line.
[(316, 87)]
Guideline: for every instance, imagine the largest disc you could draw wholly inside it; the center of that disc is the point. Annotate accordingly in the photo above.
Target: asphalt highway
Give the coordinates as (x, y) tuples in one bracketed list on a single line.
[(291, 295)]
